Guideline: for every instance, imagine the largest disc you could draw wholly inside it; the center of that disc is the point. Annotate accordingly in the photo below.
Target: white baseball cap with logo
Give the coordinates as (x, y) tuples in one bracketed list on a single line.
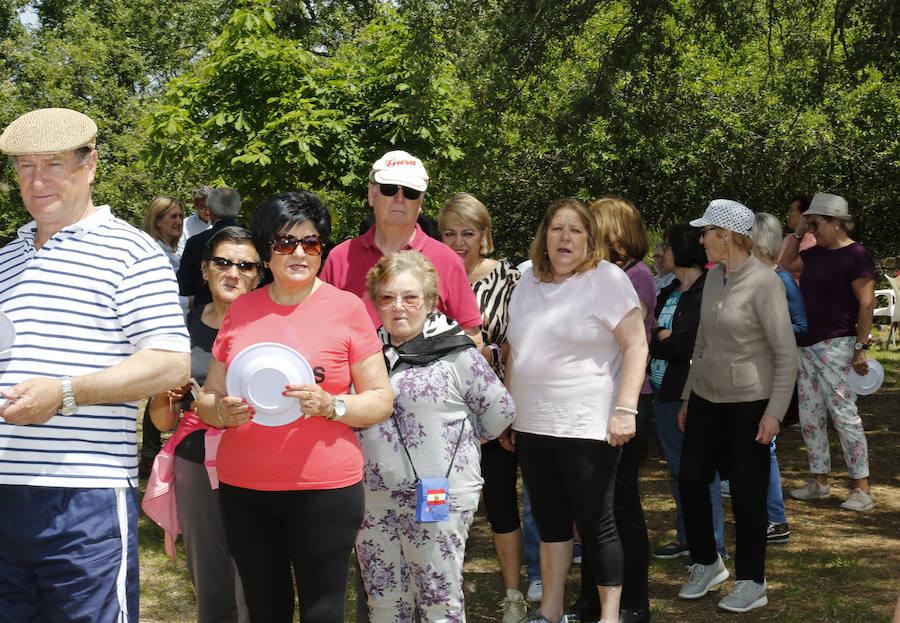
[(727, 214), (399, 167)]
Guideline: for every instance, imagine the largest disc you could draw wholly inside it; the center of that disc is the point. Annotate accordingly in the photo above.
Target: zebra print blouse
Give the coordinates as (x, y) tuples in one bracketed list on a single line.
[(492, 293)]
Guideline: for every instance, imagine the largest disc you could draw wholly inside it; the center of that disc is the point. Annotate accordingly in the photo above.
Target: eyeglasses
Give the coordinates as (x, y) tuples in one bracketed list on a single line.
[(286, 244), (813, 224), (409, 301), (708, 228), (224, 264), (389, 190)]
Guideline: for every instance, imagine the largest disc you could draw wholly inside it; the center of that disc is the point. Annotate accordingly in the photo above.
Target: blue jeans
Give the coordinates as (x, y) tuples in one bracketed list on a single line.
[(774, 499), (531, 540), (670, 440)]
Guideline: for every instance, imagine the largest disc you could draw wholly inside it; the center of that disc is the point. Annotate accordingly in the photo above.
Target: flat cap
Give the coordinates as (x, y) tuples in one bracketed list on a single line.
[(48, 131)]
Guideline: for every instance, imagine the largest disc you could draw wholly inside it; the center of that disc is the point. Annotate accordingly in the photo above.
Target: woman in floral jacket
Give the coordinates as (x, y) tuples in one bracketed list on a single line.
[(446, 398)]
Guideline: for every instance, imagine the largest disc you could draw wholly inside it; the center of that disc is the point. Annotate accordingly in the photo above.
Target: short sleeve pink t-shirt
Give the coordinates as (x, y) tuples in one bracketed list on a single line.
[(332, 330), (565, 364)]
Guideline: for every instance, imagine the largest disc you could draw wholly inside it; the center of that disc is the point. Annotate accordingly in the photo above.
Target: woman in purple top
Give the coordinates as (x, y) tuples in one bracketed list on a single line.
[(838, 288), (622, 230)]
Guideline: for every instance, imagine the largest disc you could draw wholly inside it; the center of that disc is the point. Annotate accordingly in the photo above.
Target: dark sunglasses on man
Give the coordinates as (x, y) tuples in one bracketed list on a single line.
[(223, 264), (286, 244), (389, 190)]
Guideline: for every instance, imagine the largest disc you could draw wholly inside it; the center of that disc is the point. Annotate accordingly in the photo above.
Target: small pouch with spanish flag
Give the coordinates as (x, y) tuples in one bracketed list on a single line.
[(431, 499)]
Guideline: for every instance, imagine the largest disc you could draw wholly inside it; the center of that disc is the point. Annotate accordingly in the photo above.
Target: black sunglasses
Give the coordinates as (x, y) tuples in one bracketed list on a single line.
[(223, 264), (389, 190), (285, 244)]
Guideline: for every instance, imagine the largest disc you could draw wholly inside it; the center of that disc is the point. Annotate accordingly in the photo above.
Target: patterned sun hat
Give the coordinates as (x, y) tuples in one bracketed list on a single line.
[(48, 131), (728, 214)]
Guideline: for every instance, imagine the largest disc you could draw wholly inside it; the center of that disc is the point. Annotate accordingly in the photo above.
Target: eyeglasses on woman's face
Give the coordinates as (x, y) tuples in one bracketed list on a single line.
[(223, 264), (286, 244), (409, 301), (813, 223), (708, 228)]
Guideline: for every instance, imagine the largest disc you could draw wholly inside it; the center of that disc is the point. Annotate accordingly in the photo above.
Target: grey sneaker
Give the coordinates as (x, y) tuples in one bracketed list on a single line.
[(535, 590), (703, 578), (811, 491), (512, 606), (745, 596), (537, 617), (858, 500)]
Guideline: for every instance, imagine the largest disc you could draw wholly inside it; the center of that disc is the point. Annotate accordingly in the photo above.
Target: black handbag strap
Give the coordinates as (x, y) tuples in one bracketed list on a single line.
[(413, 465)]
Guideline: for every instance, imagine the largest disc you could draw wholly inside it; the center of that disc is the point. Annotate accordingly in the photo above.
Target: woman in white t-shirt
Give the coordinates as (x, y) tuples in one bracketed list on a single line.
[(578, 352)]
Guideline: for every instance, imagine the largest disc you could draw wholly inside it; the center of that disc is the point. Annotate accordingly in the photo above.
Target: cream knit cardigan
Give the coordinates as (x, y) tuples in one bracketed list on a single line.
[(745, 348)]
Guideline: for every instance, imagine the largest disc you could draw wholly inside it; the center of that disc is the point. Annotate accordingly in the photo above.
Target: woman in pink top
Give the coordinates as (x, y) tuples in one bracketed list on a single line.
[(291, 495)]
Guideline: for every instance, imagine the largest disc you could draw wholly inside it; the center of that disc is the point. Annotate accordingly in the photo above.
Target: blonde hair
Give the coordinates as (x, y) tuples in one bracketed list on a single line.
[(467, 210), (407, 261), (621, 227), (595, 250), (160, 206)]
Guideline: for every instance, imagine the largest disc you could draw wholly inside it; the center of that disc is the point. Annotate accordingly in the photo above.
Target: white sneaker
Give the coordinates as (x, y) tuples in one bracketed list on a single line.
[(745, 596), (536, 590), (858, 500), (512, 606), (812, 490)]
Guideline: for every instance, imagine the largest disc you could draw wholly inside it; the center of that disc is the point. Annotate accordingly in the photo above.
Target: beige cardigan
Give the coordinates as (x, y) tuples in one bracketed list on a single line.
[(745, 348)]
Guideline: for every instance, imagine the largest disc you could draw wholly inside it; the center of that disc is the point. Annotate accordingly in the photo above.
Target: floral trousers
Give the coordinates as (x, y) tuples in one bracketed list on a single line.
[(822, 390), (407, 565)]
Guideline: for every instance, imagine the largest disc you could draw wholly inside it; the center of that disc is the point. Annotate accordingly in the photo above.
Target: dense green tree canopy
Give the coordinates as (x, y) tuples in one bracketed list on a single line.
[(667, 102)]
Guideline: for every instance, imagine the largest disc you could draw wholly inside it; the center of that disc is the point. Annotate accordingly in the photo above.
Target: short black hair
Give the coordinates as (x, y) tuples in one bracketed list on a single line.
[(803, 200), (232, 233), (684, 241), (284, 210)]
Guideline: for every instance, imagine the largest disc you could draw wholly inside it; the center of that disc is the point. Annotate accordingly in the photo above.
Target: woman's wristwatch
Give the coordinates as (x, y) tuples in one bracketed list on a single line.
[(861, 346), (338, 409)]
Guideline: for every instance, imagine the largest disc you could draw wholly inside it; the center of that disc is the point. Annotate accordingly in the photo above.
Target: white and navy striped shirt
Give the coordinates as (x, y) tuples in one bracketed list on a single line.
[(92, 295)]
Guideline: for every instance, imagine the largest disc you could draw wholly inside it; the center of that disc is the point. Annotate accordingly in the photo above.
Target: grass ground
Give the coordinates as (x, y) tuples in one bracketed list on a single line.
[(838, 567)]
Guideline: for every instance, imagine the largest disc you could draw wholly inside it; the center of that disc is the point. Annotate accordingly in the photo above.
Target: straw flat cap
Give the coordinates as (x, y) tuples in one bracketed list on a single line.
[(48, 131)]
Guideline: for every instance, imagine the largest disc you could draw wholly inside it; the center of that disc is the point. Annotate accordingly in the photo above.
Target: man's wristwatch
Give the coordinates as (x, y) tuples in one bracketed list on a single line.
[(69, 406), (338, 409), (861, 346)]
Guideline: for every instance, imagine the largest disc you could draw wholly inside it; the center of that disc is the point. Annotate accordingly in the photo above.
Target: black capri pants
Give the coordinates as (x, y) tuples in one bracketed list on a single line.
[(500, 470), (573, 480), (310, 530)]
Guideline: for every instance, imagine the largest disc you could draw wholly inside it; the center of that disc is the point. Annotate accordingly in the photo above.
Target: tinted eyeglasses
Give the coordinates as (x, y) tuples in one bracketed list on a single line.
[(224, 264), (708, 228), (813, 223), (409, 301), (286, 244), (389, 190)]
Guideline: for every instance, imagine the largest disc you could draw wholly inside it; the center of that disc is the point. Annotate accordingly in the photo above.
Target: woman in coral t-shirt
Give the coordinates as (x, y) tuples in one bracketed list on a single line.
[(291, 495)]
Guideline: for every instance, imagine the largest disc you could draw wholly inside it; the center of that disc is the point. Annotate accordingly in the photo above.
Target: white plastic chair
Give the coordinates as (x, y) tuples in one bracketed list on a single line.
[(891, 310)]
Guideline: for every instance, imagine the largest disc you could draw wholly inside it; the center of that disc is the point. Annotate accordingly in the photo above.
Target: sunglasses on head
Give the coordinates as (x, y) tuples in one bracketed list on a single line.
[(286, 244), (389, 190), (224, 264)]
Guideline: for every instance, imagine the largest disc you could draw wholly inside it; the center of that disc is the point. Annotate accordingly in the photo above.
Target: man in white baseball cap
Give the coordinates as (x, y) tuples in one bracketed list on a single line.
[(98, 327), (397, 184)]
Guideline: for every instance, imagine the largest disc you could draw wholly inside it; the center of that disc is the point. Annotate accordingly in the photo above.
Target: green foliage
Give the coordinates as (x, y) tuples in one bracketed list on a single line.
[(669, 103)]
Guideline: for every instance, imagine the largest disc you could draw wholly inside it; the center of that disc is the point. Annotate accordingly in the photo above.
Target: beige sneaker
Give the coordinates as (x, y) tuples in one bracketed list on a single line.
[(811, 491), (858, 500), (513, 606)]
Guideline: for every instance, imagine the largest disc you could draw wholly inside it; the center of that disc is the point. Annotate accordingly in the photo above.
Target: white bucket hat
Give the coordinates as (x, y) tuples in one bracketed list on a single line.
[(728, 214)]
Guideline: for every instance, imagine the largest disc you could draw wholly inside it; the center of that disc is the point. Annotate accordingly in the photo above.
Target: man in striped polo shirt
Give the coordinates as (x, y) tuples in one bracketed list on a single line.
[(97, 324)]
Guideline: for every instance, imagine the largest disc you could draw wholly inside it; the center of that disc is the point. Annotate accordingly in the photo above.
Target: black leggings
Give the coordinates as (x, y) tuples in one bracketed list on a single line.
[(500, 470), (313, 530), (574, 480), (629, 520)]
